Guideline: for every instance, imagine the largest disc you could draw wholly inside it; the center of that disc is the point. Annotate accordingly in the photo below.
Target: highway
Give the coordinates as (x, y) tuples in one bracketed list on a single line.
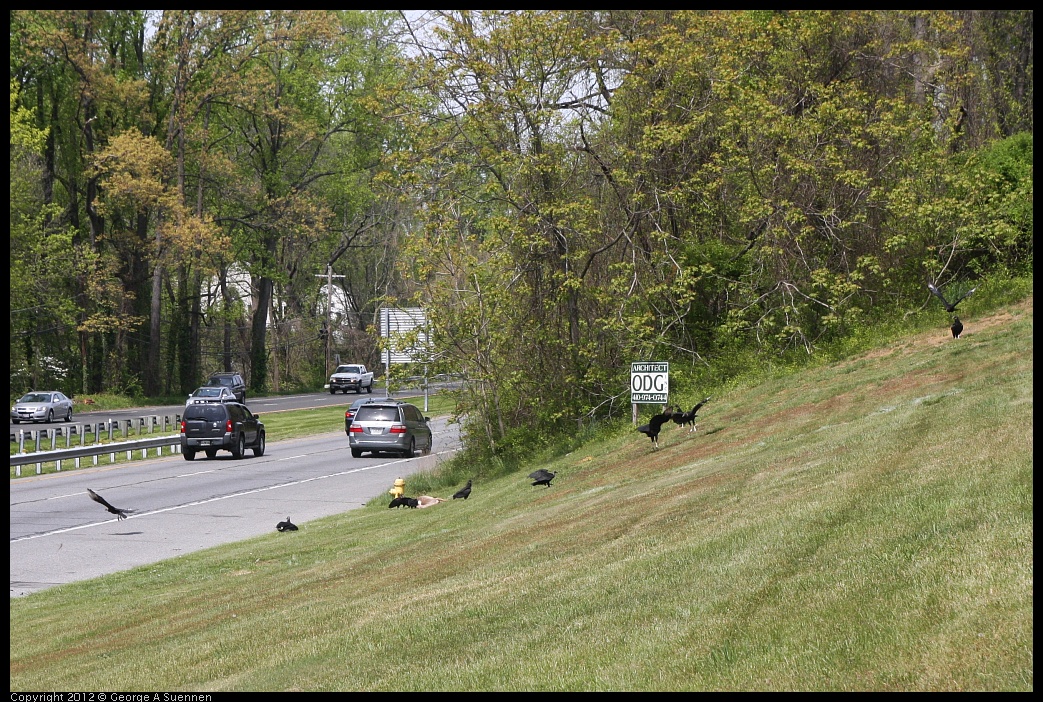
[(59, 535), (259, 405)]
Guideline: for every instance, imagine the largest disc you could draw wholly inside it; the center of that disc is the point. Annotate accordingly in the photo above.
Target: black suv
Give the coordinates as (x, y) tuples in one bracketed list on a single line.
[(225, 426), (232, 381)]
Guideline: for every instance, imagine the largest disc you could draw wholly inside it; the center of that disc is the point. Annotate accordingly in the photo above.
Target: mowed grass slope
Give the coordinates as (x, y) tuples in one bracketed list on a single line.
[(861, 526)]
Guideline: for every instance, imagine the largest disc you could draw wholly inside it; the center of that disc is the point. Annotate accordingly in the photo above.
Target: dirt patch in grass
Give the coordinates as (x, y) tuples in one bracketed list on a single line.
[(944, 336)]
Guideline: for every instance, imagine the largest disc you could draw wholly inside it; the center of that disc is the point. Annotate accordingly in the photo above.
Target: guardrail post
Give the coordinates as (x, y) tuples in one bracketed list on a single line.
[(21, 449), (54, 436), (37, 432), (97, 440)]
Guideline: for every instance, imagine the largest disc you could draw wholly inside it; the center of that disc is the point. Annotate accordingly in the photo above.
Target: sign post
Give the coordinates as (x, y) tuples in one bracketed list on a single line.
[(649, 384)]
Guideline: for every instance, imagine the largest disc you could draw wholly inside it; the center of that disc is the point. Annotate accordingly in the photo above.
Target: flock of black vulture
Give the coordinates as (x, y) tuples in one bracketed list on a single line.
[(677, 415), (544, 477)]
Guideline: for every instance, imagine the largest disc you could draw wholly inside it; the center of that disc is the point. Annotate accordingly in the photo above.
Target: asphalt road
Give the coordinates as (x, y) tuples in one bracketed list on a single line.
[(59, 535)]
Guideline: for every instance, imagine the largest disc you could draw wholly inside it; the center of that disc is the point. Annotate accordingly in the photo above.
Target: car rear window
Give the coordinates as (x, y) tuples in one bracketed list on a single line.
[(371, 413), (208, 413)]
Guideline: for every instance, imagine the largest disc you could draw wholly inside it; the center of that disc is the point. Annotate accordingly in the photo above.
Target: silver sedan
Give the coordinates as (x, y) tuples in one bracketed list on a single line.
[(43, 406)]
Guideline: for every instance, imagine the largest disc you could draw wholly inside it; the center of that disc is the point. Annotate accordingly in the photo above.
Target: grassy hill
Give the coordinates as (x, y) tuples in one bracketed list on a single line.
[(861, 526)]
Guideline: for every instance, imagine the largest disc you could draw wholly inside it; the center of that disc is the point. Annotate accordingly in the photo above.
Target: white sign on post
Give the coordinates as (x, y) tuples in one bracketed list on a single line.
[(649, 382)]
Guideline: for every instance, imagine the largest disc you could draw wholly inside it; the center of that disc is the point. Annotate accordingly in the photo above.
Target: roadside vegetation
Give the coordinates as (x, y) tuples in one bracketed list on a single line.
[(862, 524)]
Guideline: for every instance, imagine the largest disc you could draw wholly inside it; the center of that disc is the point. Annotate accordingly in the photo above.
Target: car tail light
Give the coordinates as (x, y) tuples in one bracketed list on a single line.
[(228, 426), (397, 429), (355, 429), (182, 426)]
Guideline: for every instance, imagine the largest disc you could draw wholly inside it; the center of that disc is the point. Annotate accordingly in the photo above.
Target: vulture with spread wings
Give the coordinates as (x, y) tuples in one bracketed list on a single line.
[(120, 513), (949, 306), (655, 425)]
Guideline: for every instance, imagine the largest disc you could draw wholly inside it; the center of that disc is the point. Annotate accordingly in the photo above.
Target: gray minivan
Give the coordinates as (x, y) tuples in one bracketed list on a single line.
[(391, 426)]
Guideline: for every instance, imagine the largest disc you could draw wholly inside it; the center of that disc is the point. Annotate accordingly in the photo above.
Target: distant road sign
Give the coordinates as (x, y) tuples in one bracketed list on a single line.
[(396, 322), (650, 382)]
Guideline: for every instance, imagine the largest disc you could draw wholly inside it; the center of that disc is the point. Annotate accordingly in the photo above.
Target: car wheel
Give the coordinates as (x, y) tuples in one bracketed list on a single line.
[(239, 450), (370, 388), (189, 454), (50, 416), (333, 391), (259, 448), (243, 401), (356, 453), (427, 451), (15, 421), (210, 453), (68, 417), (411, 451)]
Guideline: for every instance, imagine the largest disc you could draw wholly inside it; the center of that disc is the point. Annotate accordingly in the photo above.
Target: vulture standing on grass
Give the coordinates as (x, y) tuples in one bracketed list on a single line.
[(956, 328), (678, 416), (651, 430), (463, 492), (689, 416), (286, 526), (542, 477), (410, 502), (120, 513)]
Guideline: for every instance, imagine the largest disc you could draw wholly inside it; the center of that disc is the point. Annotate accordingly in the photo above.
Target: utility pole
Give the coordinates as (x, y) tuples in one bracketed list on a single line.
[(329, 311)]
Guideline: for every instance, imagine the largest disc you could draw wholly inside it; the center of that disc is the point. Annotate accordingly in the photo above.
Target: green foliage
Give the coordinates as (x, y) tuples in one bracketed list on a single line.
[(565, 192)]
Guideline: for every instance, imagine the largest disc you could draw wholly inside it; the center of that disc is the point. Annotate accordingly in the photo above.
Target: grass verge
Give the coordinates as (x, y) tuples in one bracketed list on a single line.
[(863, 525)]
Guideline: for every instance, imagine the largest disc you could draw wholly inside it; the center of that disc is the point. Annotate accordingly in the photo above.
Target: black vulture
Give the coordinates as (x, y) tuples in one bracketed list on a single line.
[(651, 430), (678, 416), (410, 502), (949, 307), (120, 513), (463, 492), (286, 526), (689, 416), (542, 477), (956, 328)]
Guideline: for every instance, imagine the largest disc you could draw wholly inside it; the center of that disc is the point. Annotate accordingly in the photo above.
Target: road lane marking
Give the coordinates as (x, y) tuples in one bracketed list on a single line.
[(225, 497)]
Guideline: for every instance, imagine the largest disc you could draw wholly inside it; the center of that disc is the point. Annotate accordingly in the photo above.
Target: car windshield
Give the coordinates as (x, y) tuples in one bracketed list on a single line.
[(369, 413), (36, 397), (348, 369), (209, 392)]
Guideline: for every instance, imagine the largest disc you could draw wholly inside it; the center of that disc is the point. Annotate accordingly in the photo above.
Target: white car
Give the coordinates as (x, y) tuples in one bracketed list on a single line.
[(43, 406), (211, 393)]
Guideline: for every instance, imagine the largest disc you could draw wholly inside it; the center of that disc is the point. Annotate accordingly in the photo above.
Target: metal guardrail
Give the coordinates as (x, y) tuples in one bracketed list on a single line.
[(75, 453), (59, 455)]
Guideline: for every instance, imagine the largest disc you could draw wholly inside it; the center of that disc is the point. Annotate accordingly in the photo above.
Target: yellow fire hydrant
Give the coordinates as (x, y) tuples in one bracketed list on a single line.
[(400, 487)]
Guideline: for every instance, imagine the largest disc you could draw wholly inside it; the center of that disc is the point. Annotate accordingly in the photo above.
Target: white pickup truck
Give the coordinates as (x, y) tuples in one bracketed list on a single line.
[(351, 376)]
